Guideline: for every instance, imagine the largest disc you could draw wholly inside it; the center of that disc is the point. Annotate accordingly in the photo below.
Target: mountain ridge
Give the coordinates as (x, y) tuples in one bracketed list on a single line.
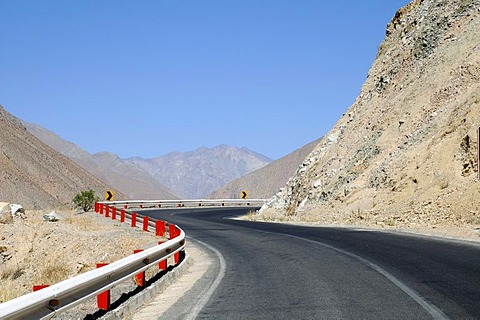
[(266, 181), (174, 175), (107, 166), (34, 174)]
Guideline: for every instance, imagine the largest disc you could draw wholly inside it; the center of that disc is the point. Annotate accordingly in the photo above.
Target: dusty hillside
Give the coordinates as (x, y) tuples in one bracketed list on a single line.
[(107, 167), (33, 174), (265, 182), (404, 154)]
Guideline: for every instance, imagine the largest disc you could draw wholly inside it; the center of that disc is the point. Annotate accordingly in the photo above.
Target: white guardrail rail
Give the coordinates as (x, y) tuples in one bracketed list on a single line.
[(57, 298), (189, 203)]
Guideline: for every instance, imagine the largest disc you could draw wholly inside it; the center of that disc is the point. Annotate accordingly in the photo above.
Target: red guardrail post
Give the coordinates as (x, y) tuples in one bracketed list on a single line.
[(39, 287), (160, 228), (107, 212), (114, 213), (122, 216), (140, 278), (162, 265), (96, 206), (134, 220), (103, 299), (173, 234), (172, 229), (145, 223), (101, 208)]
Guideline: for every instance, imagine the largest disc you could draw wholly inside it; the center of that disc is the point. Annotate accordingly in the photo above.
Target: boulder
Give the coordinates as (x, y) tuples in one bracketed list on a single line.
[(5, 213)]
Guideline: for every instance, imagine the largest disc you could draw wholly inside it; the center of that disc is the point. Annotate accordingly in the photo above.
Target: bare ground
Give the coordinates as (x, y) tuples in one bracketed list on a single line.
[(34, 252)]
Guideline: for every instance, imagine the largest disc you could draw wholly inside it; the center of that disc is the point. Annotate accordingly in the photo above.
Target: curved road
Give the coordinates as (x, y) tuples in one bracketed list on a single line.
[(280, 271)]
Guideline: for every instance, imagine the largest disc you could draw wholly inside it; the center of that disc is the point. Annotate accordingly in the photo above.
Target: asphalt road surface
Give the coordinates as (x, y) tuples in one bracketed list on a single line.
[(281, 271)]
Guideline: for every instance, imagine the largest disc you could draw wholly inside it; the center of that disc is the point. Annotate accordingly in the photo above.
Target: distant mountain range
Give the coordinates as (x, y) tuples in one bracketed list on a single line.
[(202, 171), (175, 175), (42, 170)]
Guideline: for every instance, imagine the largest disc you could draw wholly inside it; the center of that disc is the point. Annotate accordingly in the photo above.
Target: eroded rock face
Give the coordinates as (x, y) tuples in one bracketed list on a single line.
[(407, 146)]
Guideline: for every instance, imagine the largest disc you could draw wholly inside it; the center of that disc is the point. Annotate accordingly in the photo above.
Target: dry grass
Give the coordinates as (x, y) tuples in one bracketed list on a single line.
[(52, 272), (81, 221), (9, 290)]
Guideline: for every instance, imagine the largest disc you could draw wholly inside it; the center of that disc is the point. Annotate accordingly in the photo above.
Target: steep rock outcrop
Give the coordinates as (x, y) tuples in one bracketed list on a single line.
[(405, 152)]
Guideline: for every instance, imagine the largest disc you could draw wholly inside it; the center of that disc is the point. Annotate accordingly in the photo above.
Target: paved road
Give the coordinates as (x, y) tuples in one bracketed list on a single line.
[(279, 271)]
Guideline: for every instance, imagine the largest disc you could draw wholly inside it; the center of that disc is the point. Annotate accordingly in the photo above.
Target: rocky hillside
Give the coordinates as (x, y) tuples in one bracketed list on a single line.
[(33, 174), (108, 167), (199, 172), (404, 154), (265, 182)]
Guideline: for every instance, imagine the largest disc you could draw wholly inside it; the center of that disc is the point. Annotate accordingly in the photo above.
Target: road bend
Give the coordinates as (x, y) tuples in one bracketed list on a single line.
[(282, 271)]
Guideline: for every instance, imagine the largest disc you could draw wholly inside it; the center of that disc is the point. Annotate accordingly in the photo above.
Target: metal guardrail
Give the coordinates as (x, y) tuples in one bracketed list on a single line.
[(187, 203), (71, 292), (67, 294)]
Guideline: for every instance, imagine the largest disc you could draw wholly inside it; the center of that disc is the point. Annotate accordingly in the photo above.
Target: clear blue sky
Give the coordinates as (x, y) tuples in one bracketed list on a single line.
[(145, 78)]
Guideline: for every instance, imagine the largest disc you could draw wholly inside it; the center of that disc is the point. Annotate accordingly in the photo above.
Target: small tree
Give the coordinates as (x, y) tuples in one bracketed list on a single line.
[(85, 200)]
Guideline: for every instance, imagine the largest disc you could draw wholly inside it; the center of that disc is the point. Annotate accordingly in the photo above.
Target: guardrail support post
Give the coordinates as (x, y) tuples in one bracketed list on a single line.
[(179, 256), (107, 212), (173, 234), (134, 220), (160, 228), (39, 287), (162, 265), (140, 278), (101, 208), (114, 213), (145, 223), (103, 299), (172, 229), (122, 216), (96, 207)]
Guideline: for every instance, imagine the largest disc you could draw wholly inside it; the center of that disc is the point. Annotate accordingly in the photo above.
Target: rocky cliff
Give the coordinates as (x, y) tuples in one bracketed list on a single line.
[(404, 154)]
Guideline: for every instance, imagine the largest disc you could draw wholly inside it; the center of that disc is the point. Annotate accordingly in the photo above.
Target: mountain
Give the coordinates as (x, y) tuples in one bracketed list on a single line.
[(108, 167), (197, 173), (36, 176), (405, 153), (265, 182)]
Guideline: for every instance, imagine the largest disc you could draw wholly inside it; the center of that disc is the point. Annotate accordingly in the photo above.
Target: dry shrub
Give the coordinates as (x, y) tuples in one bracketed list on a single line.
[(82, 222), (10, 290), (52, 272)]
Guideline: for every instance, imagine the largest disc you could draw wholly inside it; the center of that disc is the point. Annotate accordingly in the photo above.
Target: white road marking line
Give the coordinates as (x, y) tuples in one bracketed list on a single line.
[(433, 310), (205, 297)]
